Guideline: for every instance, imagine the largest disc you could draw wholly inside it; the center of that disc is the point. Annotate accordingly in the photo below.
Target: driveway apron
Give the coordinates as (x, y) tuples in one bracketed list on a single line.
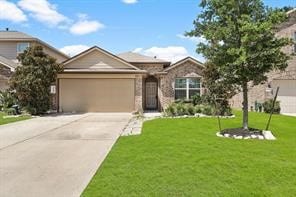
[(55, 156)]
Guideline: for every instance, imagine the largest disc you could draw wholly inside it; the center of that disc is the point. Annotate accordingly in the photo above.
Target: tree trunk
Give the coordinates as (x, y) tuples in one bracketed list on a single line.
[(245, 106)]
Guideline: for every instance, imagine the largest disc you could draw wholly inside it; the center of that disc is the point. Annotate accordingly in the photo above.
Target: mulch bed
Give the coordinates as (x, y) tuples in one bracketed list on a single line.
[(241, 132)]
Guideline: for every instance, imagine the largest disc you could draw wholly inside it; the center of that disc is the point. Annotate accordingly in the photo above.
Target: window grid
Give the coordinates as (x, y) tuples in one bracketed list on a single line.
[(188, 87)]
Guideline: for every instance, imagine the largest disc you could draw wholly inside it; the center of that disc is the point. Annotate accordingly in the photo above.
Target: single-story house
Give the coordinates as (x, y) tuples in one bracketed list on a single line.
[(99, 81)]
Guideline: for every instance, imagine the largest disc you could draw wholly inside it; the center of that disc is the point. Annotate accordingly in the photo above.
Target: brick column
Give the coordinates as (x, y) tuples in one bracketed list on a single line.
[(138, 94)]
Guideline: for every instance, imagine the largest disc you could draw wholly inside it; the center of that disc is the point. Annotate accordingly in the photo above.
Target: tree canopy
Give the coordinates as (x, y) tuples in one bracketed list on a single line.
[(241, 42), (32, 80)]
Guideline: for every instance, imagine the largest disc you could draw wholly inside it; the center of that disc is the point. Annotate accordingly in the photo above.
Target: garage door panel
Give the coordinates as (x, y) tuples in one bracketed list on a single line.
[(286, 95), (97, 95)]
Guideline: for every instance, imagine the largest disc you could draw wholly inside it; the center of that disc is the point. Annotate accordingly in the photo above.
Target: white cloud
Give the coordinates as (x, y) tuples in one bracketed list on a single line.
[(72, 50), (193, 39), (9, 11), (84, 26), (43, 11), (130, 1), (137, 50), (170, 53)]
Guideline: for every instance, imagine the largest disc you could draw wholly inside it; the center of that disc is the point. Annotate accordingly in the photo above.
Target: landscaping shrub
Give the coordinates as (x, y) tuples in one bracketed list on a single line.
[(208, 110), (7, 99), (196, 99), (171, 110), (190, 109), (267, 106), (181, 109), (198, 108), (10, 111)]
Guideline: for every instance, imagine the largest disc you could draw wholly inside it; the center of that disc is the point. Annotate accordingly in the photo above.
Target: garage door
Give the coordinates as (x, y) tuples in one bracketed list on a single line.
[(287, 95), (96, 95)]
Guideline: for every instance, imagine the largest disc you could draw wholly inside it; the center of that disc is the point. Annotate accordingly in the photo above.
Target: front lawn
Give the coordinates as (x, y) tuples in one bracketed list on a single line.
[(12, 119), (183, 157)]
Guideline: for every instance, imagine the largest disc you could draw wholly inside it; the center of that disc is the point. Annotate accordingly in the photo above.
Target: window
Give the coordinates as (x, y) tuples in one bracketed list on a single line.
[(185, 88), (22, 46)]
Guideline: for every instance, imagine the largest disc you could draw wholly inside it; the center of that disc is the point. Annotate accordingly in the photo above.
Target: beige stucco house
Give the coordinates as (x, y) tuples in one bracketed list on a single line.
[(286, 80), (99, 81), (11, 44)]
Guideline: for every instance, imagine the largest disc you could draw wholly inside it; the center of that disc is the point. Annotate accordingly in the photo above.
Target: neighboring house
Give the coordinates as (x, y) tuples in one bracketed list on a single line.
[(286, 80), (98, 81), (13, 43)]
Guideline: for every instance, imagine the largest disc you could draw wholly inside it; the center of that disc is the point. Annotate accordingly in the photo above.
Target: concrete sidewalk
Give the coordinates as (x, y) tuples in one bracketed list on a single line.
[(55, 156)]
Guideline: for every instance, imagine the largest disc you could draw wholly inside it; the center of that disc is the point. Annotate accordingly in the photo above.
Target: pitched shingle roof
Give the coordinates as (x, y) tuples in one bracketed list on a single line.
[(6, 62), (20, 36), (138, 58), (14, 35)]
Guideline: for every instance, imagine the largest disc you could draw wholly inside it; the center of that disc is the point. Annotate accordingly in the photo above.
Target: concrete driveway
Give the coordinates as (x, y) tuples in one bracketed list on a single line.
[(55, 156)]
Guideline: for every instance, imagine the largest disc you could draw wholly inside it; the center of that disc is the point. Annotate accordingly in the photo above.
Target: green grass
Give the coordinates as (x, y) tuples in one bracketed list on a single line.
[(183, 157), (12, 119)]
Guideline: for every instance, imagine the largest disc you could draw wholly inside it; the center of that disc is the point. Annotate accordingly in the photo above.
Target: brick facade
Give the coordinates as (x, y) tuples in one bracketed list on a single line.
[(165, 80), (139, 94)]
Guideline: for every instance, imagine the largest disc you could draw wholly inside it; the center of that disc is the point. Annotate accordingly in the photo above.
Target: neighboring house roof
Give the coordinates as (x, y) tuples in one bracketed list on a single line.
[(180, 62), (20, 36), (138, 58), (290, 21), (8, 63), (102, 51), (8, 35)]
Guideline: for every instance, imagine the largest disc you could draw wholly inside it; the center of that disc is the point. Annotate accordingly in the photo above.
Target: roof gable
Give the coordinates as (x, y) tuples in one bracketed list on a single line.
[(97, 58), (182, 61)]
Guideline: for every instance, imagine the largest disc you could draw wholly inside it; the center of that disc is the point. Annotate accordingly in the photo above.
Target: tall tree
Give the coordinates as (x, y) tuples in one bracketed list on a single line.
[(241, 42), (33, 79)]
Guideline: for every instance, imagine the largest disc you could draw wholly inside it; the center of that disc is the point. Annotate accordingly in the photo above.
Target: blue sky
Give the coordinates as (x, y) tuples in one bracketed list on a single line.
[(151, 27)]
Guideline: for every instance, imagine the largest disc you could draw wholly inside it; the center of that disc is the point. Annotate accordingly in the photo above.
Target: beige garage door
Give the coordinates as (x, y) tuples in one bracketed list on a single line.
[(287, 95), (96, 95)]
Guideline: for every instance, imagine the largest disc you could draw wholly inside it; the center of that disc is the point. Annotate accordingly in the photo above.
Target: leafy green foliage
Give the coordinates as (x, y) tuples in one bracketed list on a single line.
[(32, 80), (196, 99), (267, 106), (7, 99), (241, 42)]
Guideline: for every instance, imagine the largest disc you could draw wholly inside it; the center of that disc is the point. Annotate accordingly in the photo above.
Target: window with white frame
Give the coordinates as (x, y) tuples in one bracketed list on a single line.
[(185, 88), (22, 46)]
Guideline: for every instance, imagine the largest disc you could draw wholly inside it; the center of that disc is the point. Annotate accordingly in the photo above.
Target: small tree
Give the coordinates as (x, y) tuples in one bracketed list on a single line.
[(241, 42), (32, 80)]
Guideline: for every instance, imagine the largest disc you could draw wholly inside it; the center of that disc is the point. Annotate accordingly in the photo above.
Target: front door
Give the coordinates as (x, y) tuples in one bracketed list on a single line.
[(151, 95)]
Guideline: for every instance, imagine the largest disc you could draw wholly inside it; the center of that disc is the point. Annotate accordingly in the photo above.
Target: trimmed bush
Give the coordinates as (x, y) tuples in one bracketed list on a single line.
[(267, 106), (190, 109), (7, 99), (171, 110), (196, 99), (181, 109), (208, 110), (198, 108)]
